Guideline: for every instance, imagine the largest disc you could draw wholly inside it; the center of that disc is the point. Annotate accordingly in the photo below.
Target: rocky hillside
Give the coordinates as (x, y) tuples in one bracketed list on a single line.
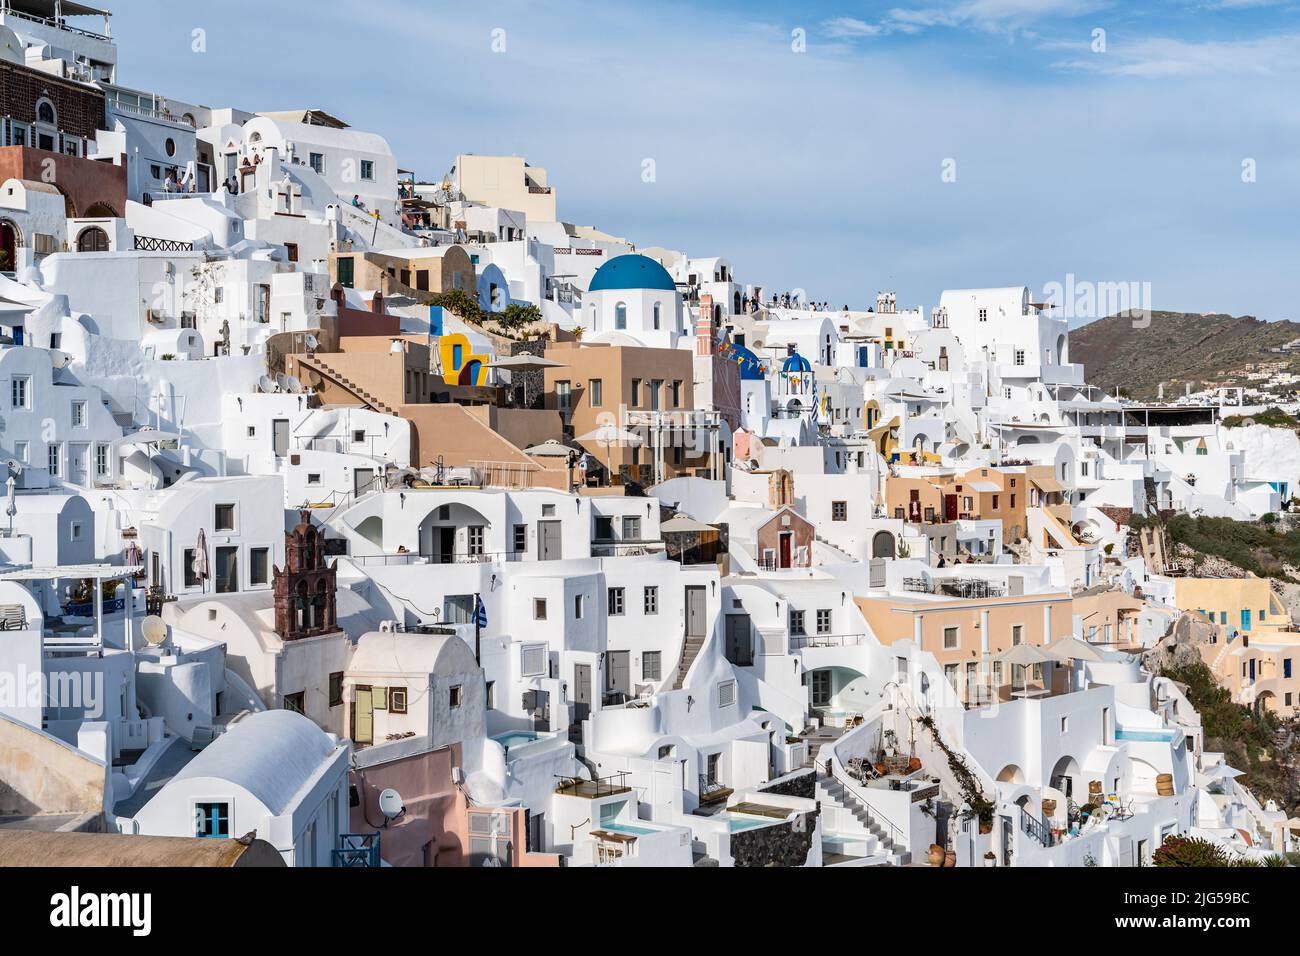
[(1177, 348)]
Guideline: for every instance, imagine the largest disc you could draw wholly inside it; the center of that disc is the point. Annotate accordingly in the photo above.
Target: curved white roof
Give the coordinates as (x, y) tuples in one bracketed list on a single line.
[(379, 653), (270, 754)]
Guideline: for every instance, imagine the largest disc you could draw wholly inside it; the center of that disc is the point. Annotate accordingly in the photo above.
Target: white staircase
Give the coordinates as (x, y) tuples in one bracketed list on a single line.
[(845, 816)]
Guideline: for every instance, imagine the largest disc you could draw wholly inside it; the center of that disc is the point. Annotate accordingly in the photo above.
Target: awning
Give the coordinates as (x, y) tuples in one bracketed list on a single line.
[(984, 487), (1049, 485)]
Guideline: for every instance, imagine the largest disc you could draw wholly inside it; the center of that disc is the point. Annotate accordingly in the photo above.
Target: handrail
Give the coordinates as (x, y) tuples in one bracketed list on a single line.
[(896, 835), (1036, 828)]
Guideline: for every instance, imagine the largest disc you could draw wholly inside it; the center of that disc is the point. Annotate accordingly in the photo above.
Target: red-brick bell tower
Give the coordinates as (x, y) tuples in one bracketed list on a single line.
[(306, 590)]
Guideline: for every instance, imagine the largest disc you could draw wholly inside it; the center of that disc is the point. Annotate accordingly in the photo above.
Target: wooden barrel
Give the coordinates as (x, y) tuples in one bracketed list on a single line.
[(1049, 808), (1095, 792), (1165, 785)]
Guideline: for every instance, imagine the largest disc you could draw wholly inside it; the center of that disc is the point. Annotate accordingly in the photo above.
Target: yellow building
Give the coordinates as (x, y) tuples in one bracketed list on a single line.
[(1255, 652)]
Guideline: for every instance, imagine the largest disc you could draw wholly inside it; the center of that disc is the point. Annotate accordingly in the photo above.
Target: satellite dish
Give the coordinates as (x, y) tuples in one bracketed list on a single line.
[(60, 360), (15, 467), (282, 381), (292, 386), (390, 804), (154, 631), (266, 385)]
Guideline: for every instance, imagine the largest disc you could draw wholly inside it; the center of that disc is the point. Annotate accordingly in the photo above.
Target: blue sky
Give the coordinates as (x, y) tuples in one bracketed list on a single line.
[(823, 169)]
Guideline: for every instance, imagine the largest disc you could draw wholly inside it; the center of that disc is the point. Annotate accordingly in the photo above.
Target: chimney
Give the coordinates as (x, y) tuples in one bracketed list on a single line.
[(704, 327)]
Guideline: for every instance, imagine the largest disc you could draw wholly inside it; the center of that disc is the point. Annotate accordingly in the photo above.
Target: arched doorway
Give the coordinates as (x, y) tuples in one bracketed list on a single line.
[(1066, 777), (883, 545), (93, 239), (10, 240)]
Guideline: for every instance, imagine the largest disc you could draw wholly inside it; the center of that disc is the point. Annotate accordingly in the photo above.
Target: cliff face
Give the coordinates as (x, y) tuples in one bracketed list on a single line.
[(1176, 348)]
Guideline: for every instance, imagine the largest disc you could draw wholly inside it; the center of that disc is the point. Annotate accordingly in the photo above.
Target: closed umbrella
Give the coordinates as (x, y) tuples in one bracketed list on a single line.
[(133, 557), (201, 558)]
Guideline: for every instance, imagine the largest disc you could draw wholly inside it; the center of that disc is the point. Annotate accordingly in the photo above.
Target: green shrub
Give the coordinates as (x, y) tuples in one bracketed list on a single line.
[(1190, 852)]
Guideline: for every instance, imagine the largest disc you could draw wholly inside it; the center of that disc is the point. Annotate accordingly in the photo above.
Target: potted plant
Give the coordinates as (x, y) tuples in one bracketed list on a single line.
[(990, 859), (937, 855)]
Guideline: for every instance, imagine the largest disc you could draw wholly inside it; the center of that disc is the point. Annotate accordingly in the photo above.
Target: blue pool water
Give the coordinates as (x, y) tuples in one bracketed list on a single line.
[(740, 824), (625, 828), (1148, 736), (516, 738)]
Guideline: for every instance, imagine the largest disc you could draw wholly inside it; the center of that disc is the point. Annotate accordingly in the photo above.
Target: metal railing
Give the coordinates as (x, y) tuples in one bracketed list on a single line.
[(151, 244), (599, 787), (357, 851), (896, 837), (400, 559), (800, 642), (1036, 828)]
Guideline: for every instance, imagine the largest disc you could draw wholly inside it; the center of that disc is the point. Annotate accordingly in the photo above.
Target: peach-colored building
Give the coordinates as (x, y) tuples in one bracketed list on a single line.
[(963, 635), (985, 494)]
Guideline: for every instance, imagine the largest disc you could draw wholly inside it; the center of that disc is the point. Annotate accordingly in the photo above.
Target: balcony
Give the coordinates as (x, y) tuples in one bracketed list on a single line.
[(593, 789)]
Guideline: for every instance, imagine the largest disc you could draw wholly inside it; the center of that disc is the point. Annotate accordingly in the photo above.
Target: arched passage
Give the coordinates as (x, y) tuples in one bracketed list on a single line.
[(1011, 774), (11, 238), (455, 534), (1067, 777)]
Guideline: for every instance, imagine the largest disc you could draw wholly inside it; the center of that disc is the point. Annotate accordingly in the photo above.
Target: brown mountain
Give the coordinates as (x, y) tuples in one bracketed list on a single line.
[(1177, 348)]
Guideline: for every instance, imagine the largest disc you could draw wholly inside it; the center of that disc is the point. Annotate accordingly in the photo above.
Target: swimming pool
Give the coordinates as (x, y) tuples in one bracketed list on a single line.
[(516, 738), (626, 828), (739, 824), (1147, 736)]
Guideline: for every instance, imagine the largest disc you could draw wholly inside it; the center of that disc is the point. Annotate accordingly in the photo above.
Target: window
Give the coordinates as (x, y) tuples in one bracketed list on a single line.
[(297, 703), (539, 609), (564, 396), (616, 602), (620, 317), (1286, 668), (840, 511), (577, 607), (796, 623), (984, 315), (727, 693), (604, 528), (291, 251), (1020, 356), (397, 699), (1065, 725), (677, 394), (101, 461), (1017, 634), (45, 113), (477, 538), (652, 601), (658, 315), (631, 528), (20, 392), (368, 170), (596, 393), (22, 452), (651, 665), (548, 511), (823, 621), (636, 392), (490, 695), (521, 538), (336, 689), (951, 638), (317, 161), (78, 414), (225, 518), (313, 478), (191, 579), (53, 460), (532, 660), (259, 567), (212, 821), (996, 502)]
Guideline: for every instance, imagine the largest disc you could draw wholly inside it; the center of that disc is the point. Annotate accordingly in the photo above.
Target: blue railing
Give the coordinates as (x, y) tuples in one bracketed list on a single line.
[(357, 851)]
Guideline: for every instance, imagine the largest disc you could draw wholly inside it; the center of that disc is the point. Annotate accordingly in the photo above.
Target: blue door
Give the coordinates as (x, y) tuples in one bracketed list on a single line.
[(1245, 620)]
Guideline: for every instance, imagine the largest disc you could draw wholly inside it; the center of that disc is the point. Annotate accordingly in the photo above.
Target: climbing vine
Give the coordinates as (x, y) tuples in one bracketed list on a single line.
[(971, 791)]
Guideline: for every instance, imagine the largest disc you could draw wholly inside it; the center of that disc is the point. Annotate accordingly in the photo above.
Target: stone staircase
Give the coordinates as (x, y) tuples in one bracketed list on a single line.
[(320, 365), (866, 837), (690, 651)]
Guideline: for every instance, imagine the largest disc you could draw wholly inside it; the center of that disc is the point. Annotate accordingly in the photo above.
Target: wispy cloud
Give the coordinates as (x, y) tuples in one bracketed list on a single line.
[(1158, 57), (988, 16)]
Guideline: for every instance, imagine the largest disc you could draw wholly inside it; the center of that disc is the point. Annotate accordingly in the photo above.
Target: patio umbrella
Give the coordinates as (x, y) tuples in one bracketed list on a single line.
[(550, 449), (526, 363), (1025, 655), (1073, 649), (1224, 772), (684, 524), (133, 556), (609, 436), (201, 557)]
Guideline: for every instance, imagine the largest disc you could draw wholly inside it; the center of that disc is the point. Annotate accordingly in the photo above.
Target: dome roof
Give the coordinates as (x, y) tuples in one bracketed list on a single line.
[(632, 272), (796, 364)]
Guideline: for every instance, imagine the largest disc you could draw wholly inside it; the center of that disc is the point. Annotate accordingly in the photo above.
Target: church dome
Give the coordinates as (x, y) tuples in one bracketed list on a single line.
[(632, 272), (796, 364)]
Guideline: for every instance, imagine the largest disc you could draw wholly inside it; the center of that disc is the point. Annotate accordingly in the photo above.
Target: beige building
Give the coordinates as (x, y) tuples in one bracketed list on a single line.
[(506, 182), (406, 273)]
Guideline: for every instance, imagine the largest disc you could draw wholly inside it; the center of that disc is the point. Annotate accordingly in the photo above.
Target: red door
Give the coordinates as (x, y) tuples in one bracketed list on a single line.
[(787, 557), (950, 505)]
